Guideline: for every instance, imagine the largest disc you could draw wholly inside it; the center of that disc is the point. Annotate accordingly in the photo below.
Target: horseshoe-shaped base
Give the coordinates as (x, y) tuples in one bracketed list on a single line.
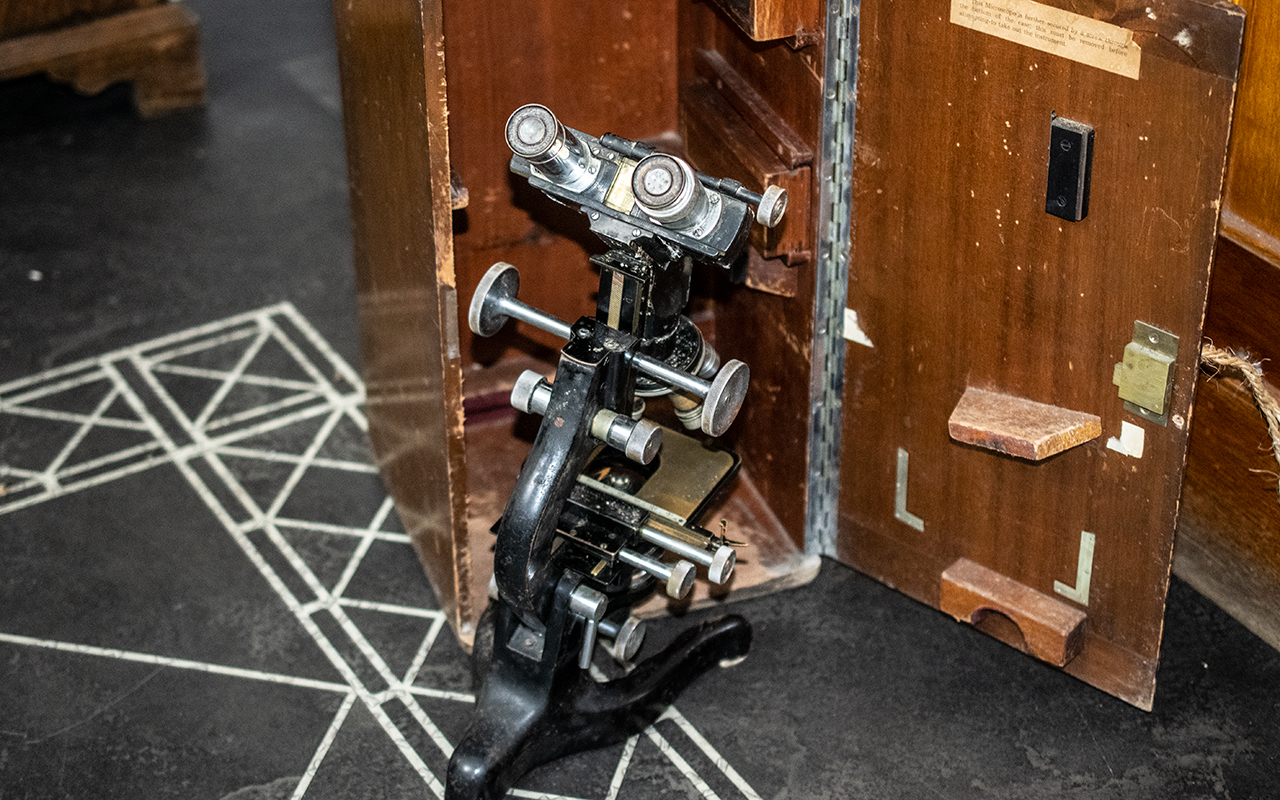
[(523, 722)]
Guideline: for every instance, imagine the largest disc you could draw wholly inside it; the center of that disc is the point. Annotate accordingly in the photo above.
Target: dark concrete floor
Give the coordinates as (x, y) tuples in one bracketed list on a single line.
[(188, 616)]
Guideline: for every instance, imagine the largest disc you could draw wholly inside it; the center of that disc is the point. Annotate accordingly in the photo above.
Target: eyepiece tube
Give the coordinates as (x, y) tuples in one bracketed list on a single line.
[(534, 134)]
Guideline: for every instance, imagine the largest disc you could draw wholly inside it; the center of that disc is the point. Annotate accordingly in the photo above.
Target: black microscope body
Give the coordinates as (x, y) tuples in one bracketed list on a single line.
[(581, 540)]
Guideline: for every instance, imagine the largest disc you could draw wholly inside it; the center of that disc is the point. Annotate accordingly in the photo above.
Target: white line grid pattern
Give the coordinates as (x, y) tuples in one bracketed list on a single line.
[(254, 377)]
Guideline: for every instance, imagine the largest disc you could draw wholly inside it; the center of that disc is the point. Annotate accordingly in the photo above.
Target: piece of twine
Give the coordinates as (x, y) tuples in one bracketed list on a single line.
[(1250, 372)]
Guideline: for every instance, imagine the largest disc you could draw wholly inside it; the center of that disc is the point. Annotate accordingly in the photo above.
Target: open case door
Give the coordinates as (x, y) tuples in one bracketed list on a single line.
[(1003, 458), (393, 99)]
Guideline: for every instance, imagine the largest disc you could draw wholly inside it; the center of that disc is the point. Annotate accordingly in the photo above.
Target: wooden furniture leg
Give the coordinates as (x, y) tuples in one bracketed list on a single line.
[(157, 49)]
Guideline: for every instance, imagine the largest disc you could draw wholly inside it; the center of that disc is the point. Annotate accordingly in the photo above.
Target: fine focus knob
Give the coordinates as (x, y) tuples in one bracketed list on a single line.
[(722, 563), (681, 579), (772, 205), (643, 442)]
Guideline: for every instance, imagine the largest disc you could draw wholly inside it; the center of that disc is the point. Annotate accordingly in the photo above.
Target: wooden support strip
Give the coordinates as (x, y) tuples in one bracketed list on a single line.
[(1019, 427), (770, 127), (1052, 630), (720, 142)]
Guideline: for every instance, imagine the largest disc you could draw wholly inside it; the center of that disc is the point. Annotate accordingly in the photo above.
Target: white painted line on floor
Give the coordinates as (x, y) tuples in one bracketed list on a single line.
[(320, 378), (246, 378), (250, 353), (440, 694), (348, 673), (67, 416), (620, 771), (323, 749), (260, 411), (340, 530), (675, 758), (67, 449), (176, 663), (420, 657), (224, 329), (437, 736), (528, 795), (317, 341), (288, 458), (698, 739), (49, 389), (391, 608), (353, 564)]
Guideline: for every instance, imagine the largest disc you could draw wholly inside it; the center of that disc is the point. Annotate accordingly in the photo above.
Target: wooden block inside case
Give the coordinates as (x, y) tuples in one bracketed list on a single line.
[(1017, 426), (1047, 628)]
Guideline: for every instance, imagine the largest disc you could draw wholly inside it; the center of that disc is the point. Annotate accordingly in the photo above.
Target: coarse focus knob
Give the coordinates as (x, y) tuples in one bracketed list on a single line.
[(640, 439), (725, 397), (722, 563), (531, 393), (494, 302), (644, 441)]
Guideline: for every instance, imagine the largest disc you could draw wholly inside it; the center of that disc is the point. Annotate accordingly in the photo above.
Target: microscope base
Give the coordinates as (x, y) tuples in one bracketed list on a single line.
[(523, 721)]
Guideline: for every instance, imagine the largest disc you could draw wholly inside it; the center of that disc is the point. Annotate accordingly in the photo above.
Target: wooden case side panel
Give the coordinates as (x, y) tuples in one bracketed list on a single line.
[(391, 62), (961, 279), (1228, 544), (600, 67), (1251, 207)]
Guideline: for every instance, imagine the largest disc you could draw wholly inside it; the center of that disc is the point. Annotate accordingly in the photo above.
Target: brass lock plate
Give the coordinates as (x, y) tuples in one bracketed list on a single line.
[(1145, 376)]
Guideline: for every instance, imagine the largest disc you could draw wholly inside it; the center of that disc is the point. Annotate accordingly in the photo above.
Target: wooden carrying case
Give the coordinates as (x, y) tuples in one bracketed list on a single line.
[(934, 393)]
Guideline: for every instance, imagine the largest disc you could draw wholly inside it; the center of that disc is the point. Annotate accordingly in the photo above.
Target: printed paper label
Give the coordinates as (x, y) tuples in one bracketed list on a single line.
[(1052, 30)]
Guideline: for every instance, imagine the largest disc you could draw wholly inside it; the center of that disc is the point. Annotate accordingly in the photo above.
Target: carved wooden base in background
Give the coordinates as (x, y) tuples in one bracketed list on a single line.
[(157, 49)]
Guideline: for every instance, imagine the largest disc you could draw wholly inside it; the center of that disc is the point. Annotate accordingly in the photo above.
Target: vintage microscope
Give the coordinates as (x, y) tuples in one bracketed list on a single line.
[(604, 491)]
